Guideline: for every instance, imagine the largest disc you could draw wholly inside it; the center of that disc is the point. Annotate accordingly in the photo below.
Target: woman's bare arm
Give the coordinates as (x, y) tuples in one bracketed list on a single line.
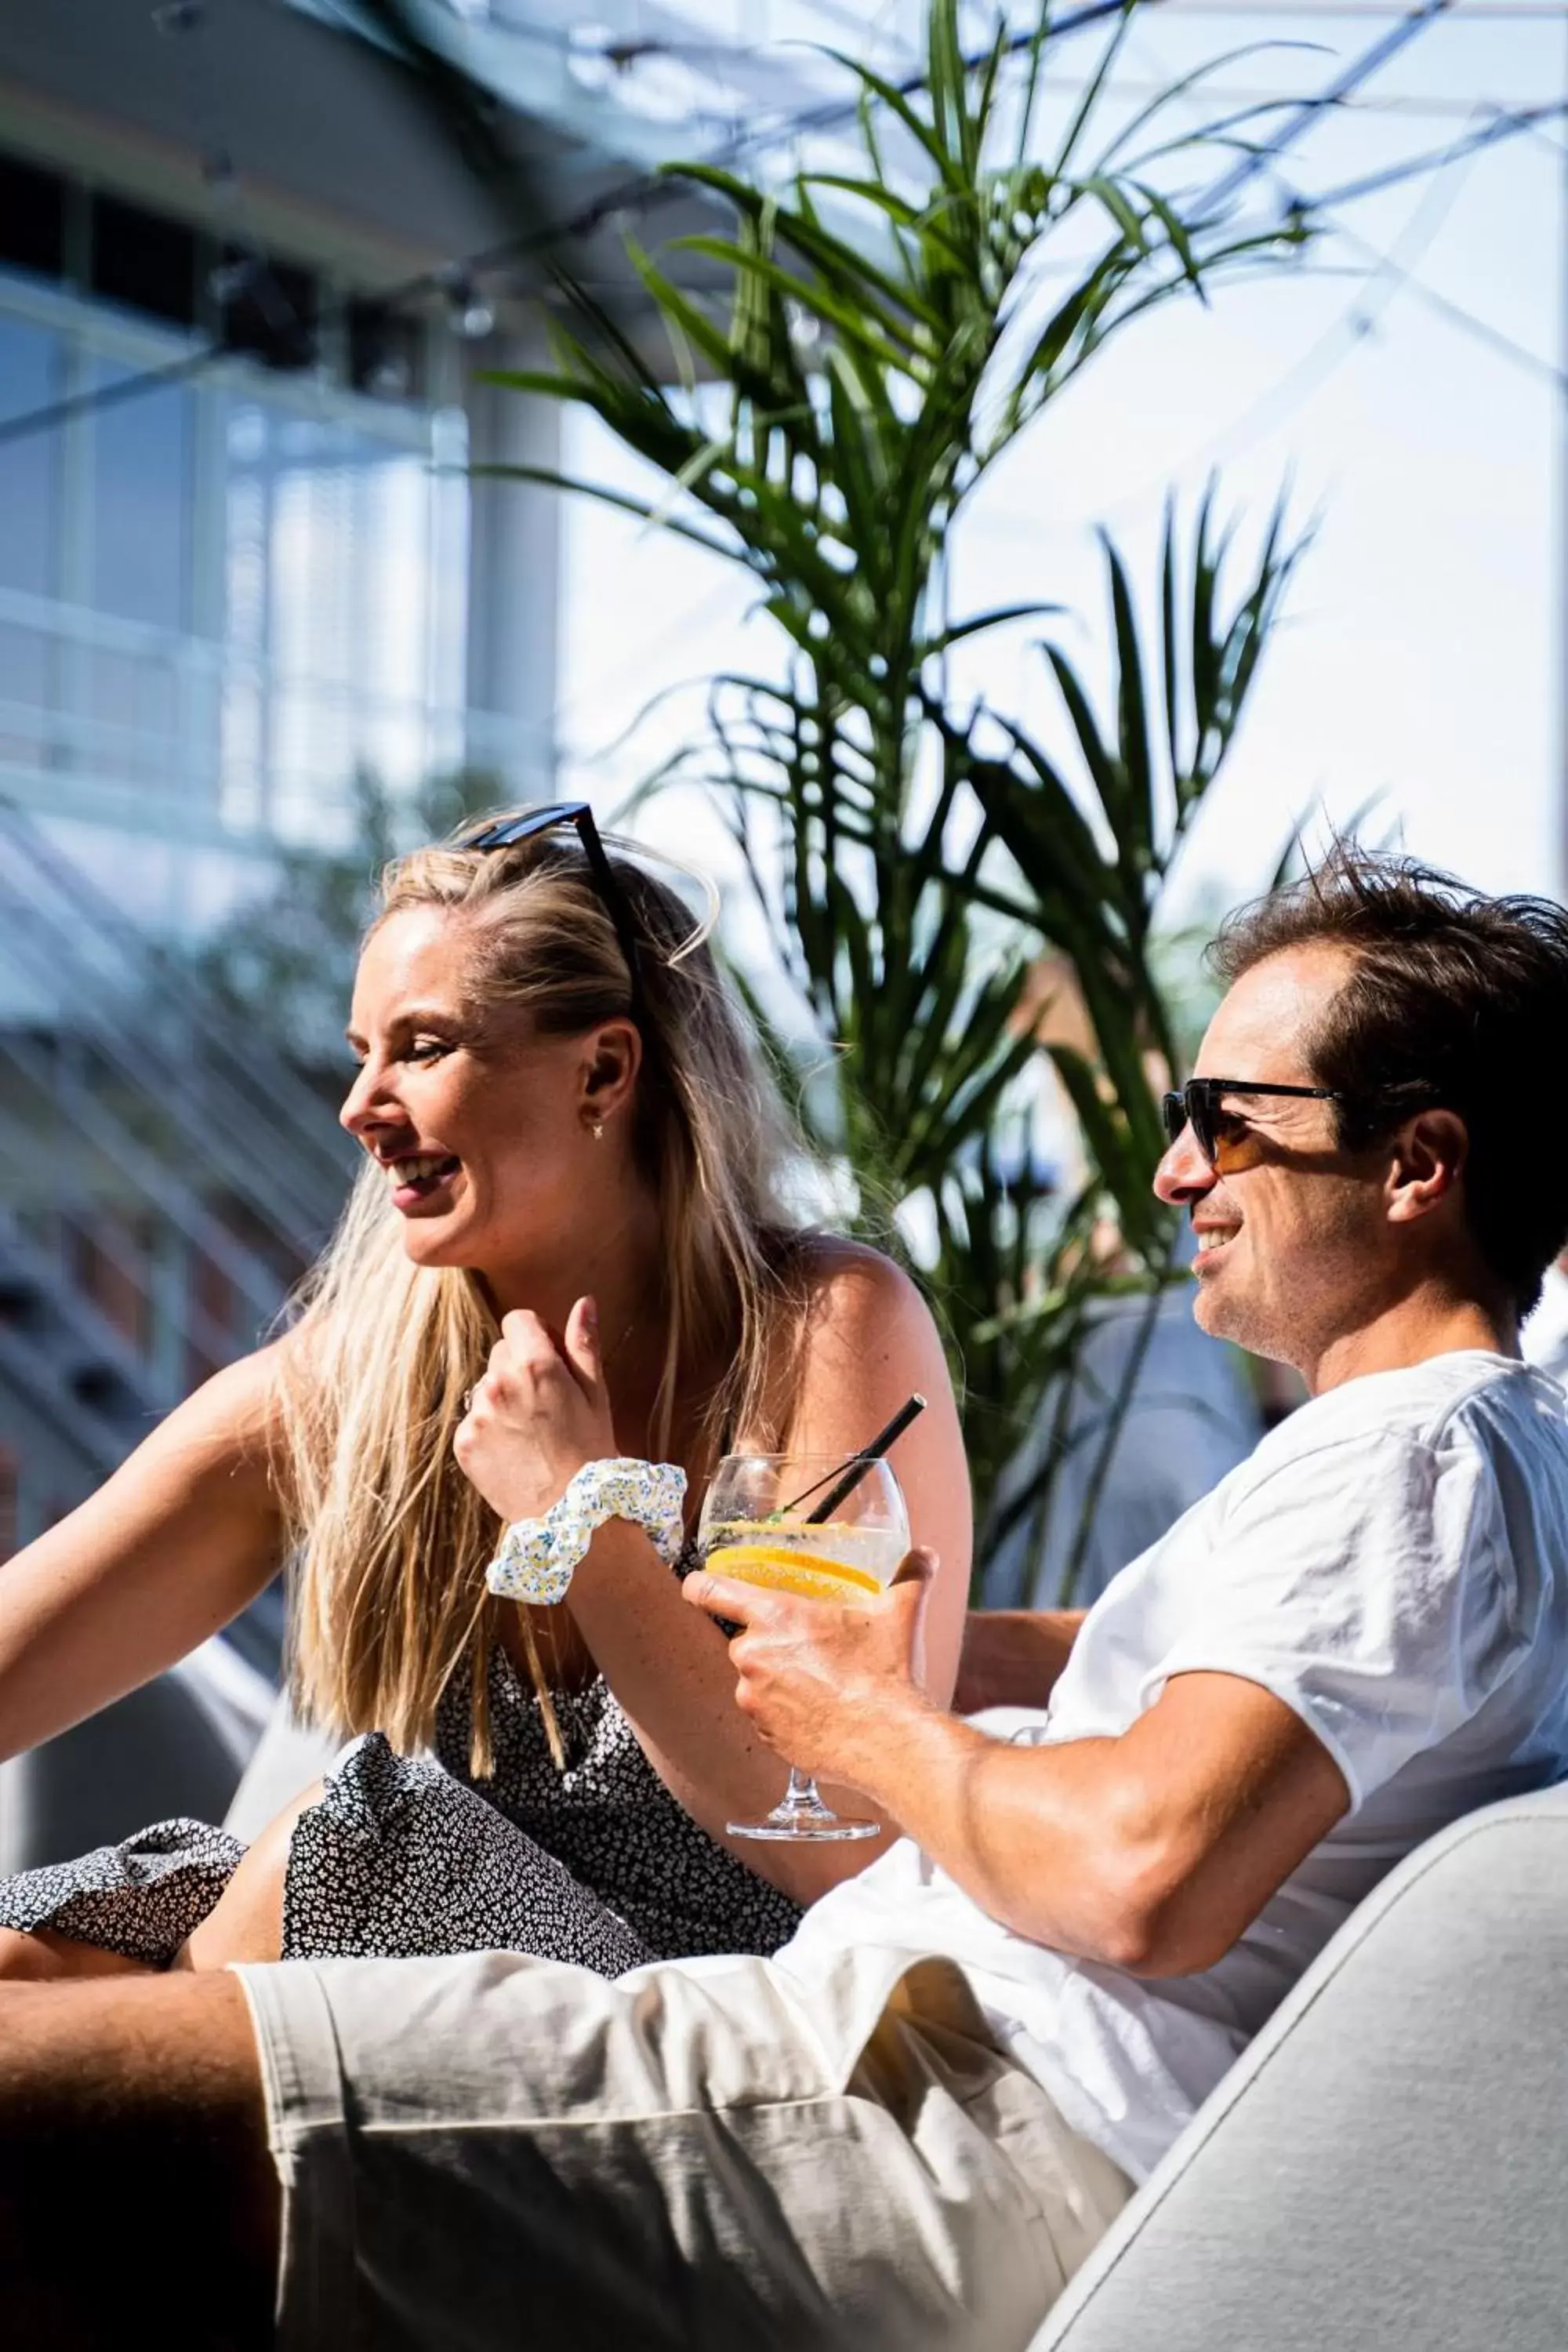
[(169, 1549), (872, 1343)]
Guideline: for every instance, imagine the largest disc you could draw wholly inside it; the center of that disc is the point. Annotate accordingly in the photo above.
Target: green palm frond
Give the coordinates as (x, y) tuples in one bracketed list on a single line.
[(879, 339)]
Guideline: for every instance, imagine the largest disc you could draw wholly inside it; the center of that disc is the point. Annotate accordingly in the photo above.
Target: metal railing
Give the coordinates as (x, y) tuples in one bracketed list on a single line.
[(165, 1172), (192, 732), (241, 1107), (164, 1180)]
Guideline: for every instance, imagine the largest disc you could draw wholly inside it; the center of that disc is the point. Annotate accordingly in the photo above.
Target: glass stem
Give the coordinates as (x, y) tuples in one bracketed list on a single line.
[(801, 1796)]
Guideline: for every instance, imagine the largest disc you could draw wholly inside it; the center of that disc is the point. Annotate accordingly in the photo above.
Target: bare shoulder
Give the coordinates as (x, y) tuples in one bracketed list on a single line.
[(868, 1338), (871, 1342), (852, 1288)]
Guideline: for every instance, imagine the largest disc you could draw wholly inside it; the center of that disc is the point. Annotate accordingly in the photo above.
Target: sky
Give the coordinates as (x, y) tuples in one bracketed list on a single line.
[(1418, 666)]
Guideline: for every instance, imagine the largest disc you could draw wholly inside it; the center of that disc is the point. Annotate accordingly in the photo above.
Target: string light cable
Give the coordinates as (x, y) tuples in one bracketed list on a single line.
[(629, 197), (1468, 322), (1460, 154), (1329, 352), (184, 22), (649, 190), (1490, 123)]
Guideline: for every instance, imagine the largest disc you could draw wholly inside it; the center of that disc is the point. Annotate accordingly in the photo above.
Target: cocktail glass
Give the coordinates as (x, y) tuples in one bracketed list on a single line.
[(757, 1527)]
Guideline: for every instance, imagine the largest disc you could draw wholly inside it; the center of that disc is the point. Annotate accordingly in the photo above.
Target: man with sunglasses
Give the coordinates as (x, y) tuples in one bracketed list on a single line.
[(907, 2129)]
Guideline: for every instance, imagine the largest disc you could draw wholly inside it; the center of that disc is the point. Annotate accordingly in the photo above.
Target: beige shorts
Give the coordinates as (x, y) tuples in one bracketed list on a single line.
[(491, 2151)]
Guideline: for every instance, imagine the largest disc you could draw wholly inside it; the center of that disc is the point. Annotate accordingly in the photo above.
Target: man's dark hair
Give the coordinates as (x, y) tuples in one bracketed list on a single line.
[(1456, 1000)]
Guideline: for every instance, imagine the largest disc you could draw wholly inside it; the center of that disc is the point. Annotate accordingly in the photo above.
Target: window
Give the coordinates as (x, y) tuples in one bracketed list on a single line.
[(131, 697), (31, 377), (32, 365), (143, 260), (141, 503), (342, 567), (32, 219), (217, 586)]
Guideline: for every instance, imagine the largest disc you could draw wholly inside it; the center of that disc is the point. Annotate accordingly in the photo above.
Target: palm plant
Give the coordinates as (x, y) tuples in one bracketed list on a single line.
[(885, 335)]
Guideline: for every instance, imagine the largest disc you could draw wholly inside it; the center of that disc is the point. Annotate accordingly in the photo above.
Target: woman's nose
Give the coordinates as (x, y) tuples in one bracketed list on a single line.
[(365, 1105)]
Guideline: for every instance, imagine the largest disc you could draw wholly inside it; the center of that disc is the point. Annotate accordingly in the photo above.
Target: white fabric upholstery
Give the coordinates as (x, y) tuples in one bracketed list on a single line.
[(287, 1757), (1388, 2164), (179, 1745)]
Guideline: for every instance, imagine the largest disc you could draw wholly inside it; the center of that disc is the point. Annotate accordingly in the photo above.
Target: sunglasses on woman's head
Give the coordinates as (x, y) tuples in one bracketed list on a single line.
[(1223, 1137), (508, 831)]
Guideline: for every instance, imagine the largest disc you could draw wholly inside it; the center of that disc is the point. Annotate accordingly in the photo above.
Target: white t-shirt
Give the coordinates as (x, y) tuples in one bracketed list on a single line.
[(1393, 1563), (1544, 1339)]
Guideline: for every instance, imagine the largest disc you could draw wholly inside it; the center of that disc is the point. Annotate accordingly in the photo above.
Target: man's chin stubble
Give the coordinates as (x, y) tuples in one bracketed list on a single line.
[(1224, 1319)]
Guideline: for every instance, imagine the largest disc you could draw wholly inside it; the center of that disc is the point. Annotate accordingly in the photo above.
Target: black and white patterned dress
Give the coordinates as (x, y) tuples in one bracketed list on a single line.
[(593, 1863)]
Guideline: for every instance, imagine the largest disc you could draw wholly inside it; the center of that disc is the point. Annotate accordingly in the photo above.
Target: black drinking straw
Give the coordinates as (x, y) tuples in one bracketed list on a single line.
[(855, 1469)]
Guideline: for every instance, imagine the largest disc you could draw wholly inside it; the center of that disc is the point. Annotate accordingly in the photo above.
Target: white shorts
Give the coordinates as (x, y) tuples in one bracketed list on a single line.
[(701, 2156)]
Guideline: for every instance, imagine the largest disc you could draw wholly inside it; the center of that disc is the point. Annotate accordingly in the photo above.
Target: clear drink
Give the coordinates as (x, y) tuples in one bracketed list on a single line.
[(834, 1562), (758, 1526)]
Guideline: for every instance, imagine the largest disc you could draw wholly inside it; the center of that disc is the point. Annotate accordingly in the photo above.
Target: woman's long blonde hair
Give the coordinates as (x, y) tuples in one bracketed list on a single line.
[(390, 1539)]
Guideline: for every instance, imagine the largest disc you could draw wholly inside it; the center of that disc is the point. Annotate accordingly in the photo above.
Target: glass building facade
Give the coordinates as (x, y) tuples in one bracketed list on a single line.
[(234, 575), (224, 586)]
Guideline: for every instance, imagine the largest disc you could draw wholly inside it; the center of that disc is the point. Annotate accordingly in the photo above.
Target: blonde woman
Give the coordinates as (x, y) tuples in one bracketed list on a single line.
[(568, 1245)]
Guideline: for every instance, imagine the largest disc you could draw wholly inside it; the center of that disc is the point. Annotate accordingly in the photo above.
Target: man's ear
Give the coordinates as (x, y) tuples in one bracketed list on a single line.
[(1429, 1155)]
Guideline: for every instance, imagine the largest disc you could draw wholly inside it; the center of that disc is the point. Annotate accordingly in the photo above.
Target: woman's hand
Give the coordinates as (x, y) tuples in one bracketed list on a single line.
[(541, 1411), (826, 1686)]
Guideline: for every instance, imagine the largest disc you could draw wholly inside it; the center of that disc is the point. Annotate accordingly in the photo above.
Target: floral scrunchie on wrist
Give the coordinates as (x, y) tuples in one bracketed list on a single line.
[(537, 1557)]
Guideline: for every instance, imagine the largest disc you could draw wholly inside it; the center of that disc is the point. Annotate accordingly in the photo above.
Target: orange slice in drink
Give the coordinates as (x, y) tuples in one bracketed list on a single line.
[(781, 1569)]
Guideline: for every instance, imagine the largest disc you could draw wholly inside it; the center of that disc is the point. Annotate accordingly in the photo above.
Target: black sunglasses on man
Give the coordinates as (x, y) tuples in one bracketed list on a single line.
[(1222, 1135)]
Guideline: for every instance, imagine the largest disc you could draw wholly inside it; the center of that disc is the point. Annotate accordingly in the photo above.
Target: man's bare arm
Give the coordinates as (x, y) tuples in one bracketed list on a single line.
[(1152, 1852)]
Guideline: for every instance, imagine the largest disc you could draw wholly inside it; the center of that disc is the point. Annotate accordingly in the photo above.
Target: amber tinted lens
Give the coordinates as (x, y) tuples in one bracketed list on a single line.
[(1235, 1143), (1202, 1105), (1223, 1137)]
